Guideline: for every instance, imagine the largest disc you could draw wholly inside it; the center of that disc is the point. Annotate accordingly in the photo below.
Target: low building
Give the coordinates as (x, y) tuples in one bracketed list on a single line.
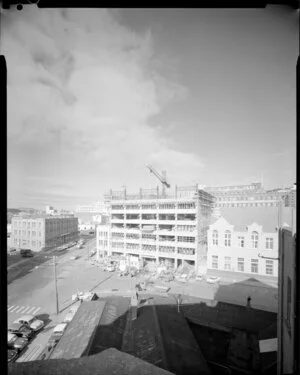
[(40, 232), (167, 229), (86, 227), (245, 240)]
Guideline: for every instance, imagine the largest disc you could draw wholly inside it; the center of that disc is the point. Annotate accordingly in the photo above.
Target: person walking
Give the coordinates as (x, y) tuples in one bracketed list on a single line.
[(249, 302)]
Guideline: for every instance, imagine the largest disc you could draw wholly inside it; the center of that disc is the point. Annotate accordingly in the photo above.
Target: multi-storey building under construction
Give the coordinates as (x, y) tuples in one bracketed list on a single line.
[(150, 227)]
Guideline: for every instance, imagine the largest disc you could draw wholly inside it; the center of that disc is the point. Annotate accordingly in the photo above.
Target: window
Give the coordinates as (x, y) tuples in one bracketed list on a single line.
[(227, 263), (240, 264), (241, 241), (269, 243), (254, 240), (227, 238), (269, 267), (214, 263), (254, 265), (34, 233), (215, 237)]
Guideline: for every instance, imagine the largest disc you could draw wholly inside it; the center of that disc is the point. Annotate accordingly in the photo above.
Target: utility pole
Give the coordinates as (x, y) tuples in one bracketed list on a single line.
[(55, 284)]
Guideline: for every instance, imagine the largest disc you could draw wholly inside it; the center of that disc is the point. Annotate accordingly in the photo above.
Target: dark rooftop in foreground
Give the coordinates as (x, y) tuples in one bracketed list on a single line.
[(200, 339), (109, 362)]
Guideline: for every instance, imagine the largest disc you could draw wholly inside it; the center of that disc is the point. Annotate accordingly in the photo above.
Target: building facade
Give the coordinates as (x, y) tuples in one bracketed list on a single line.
[(95, 207), (37, 233), (252, 251), (288, 331), (152, 228), (252, 195)]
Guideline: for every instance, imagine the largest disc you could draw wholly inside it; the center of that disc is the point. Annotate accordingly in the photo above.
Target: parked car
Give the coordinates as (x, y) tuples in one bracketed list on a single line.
[(12, 355), (21, 330), (212, 279), (31, 321), (26, 253), (57, 334), (71, 313), (16, 343), (12, 251), (110, 268), (74, 257)]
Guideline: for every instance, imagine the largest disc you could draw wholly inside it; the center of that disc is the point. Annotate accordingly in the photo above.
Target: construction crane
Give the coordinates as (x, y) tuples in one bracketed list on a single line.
[(162, 179)]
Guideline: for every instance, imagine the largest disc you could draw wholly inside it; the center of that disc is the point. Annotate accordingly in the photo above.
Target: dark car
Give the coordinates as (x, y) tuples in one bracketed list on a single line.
[(12, 355), (26, 253), (16, 343), (21, 330)]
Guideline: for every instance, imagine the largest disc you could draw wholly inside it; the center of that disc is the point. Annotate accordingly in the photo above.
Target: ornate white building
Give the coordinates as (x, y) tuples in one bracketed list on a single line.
[(242, 251)]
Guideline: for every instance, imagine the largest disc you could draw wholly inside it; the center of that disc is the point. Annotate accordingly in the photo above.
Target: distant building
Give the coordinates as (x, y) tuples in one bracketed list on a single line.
[(291, 198), (153, 228), (288, 331), (95, 207), (51, 211), (86, 227), (39, 232), (252, 195), (237, 242)]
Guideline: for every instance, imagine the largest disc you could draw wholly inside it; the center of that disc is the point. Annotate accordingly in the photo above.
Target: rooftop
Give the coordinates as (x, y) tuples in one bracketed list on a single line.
[(180, 192), (268, 217)]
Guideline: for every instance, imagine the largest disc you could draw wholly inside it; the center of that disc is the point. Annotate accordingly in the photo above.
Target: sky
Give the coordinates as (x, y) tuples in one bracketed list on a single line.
[(95, 95)]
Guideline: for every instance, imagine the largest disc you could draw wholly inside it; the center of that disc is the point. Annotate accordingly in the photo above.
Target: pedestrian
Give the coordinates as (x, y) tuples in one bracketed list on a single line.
[(248, 302), (137, 295)]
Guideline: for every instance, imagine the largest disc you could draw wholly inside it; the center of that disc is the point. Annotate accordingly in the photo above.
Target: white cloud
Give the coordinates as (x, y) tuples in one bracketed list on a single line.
[(81, 76)]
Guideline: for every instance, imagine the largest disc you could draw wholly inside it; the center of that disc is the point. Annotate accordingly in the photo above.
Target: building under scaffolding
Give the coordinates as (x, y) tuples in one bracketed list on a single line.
[(165, 228)]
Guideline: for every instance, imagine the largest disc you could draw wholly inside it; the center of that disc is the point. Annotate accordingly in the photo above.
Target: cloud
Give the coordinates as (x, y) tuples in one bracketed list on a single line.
[(84, 85)]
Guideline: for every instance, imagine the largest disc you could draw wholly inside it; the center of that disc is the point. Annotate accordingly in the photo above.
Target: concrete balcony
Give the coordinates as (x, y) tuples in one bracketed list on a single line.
[(132, 240), (185, 256), (186, 210), (132, 211), (192, 245), (166, 222), (186, 222), (167, 243), (167, 254), (150, 254), (117, 221), (133, 221), (117, 239)]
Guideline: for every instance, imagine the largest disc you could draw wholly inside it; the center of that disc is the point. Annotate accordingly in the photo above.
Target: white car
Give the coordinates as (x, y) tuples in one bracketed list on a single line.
[(71, 313), (31, 321), (110, 268), (74, 257), (212, 279), (57, 334)]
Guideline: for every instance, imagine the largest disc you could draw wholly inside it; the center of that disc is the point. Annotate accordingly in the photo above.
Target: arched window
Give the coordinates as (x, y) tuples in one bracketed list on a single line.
[(228, 238), (254, 240), (215, 237)]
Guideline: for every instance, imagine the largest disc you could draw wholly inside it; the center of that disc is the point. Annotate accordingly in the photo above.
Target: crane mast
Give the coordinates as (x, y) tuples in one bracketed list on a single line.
[(162, 178)]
